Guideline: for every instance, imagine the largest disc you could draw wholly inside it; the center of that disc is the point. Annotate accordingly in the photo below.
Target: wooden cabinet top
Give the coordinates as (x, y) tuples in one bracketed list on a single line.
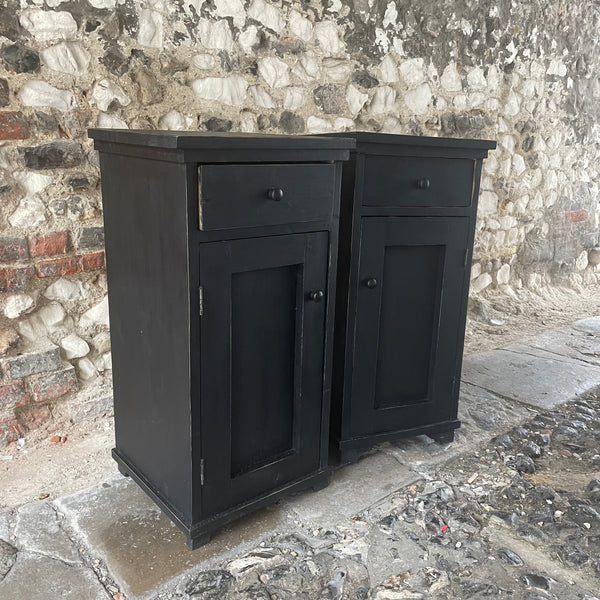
[(375, 143), (189, 146)]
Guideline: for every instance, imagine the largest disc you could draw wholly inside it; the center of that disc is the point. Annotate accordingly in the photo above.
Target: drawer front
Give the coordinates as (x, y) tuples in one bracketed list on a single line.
[(414, 181), (233, 195)]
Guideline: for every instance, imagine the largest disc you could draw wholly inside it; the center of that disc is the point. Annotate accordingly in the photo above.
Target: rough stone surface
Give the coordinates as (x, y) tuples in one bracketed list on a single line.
[(229, 90), (48, 386), (41, 94), (32, 183), (50, 156), (48, 25), (30, 363), (20, 59), (9, 339), (8, 556), (74, 346), (66, 57), (63, 290), (13, 125), (337, 505), (39, 530), (90, 237), (274, 72), (13, 249), (18, 304), (98, 314), (550, 379), (142, 547), (107, 92), (4, 93), (58, 580), (291, 123), (330, 98)]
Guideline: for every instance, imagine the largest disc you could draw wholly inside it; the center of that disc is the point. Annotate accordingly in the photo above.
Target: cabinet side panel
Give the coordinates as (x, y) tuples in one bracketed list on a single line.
[(462, 317), (346, 225), (145, 217)]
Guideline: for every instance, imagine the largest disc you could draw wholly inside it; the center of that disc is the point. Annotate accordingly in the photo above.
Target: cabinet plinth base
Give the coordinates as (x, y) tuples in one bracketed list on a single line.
[(200, 540), (200, 532), (443, 437), (347, 451)]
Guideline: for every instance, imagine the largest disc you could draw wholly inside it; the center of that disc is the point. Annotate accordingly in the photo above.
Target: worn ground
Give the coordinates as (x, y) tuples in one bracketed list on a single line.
[(496, 320), (511, 509)]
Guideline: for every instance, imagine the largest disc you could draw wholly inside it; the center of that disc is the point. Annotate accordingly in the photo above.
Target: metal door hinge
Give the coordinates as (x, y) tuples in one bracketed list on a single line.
[(201, 471), (200, 301)]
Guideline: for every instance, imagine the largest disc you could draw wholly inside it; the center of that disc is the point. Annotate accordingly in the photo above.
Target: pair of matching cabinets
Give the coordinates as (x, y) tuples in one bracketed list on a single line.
[(275, 301)]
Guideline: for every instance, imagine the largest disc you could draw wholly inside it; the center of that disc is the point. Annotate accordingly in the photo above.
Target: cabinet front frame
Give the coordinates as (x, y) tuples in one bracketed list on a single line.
[(197, 238), (352, 212)]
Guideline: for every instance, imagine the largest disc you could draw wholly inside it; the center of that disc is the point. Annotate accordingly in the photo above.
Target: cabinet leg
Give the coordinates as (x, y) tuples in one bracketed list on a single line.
[(196, 542), (348, 457), (320, 485), (123, 471), (444, 437)]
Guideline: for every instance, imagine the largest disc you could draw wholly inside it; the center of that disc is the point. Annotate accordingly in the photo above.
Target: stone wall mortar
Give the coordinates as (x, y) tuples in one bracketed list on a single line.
[(518, 72)]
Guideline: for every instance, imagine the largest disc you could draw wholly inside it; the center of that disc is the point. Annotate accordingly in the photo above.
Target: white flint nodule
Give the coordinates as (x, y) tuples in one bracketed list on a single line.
[(229, 90), (66, 57), (37, 93), (105, 92), (48, 25)]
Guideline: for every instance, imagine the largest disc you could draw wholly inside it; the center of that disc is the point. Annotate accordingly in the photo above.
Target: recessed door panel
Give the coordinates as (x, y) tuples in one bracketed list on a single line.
[(411, 274), (264, 336), (410, 299), (262, 344)]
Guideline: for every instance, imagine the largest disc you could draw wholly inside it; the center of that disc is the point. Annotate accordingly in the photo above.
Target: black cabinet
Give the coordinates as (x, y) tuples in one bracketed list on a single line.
[(406, 235), (221, 259)]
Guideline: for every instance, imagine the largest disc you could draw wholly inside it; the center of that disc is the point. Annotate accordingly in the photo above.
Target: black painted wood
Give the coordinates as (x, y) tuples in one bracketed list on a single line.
[(407, 224), (221, 338), (417, 181), (406, 324), (262, 352), (233, 196)]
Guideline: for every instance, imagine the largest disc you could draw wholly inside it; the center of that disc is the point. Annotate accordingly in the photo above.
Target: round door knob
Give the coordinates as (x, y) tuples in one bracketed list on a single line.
[(275, 194), (423, 184), (316, 296), (371, 283)]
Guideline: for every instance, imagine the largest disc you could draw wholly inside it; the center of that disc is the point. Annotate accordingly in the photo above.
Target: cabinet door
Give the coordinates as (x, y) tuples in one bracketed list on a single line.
[(262, 349), (411, 281)]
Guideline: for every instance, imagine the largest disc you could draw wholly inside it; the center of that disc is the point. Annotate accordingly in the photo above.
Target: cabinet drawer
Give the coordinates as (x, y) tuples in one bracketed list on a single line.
[(244, 195), (414, 181)]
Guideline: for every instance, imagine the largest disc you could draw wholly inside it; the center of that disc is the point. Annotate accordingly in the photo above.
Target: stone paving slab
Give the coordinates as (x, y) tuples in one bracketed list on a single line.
[(38, 577), (38, 530), (481, 413), (4, 527), (351, 489), (589, 325), (141, 547), (569, 343), (530, 376)]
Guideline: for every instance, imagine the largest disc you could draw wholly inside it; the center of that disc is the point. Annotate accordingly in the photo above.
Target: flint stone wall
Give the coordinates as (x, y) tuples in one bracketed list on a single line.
[(523, 73)]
